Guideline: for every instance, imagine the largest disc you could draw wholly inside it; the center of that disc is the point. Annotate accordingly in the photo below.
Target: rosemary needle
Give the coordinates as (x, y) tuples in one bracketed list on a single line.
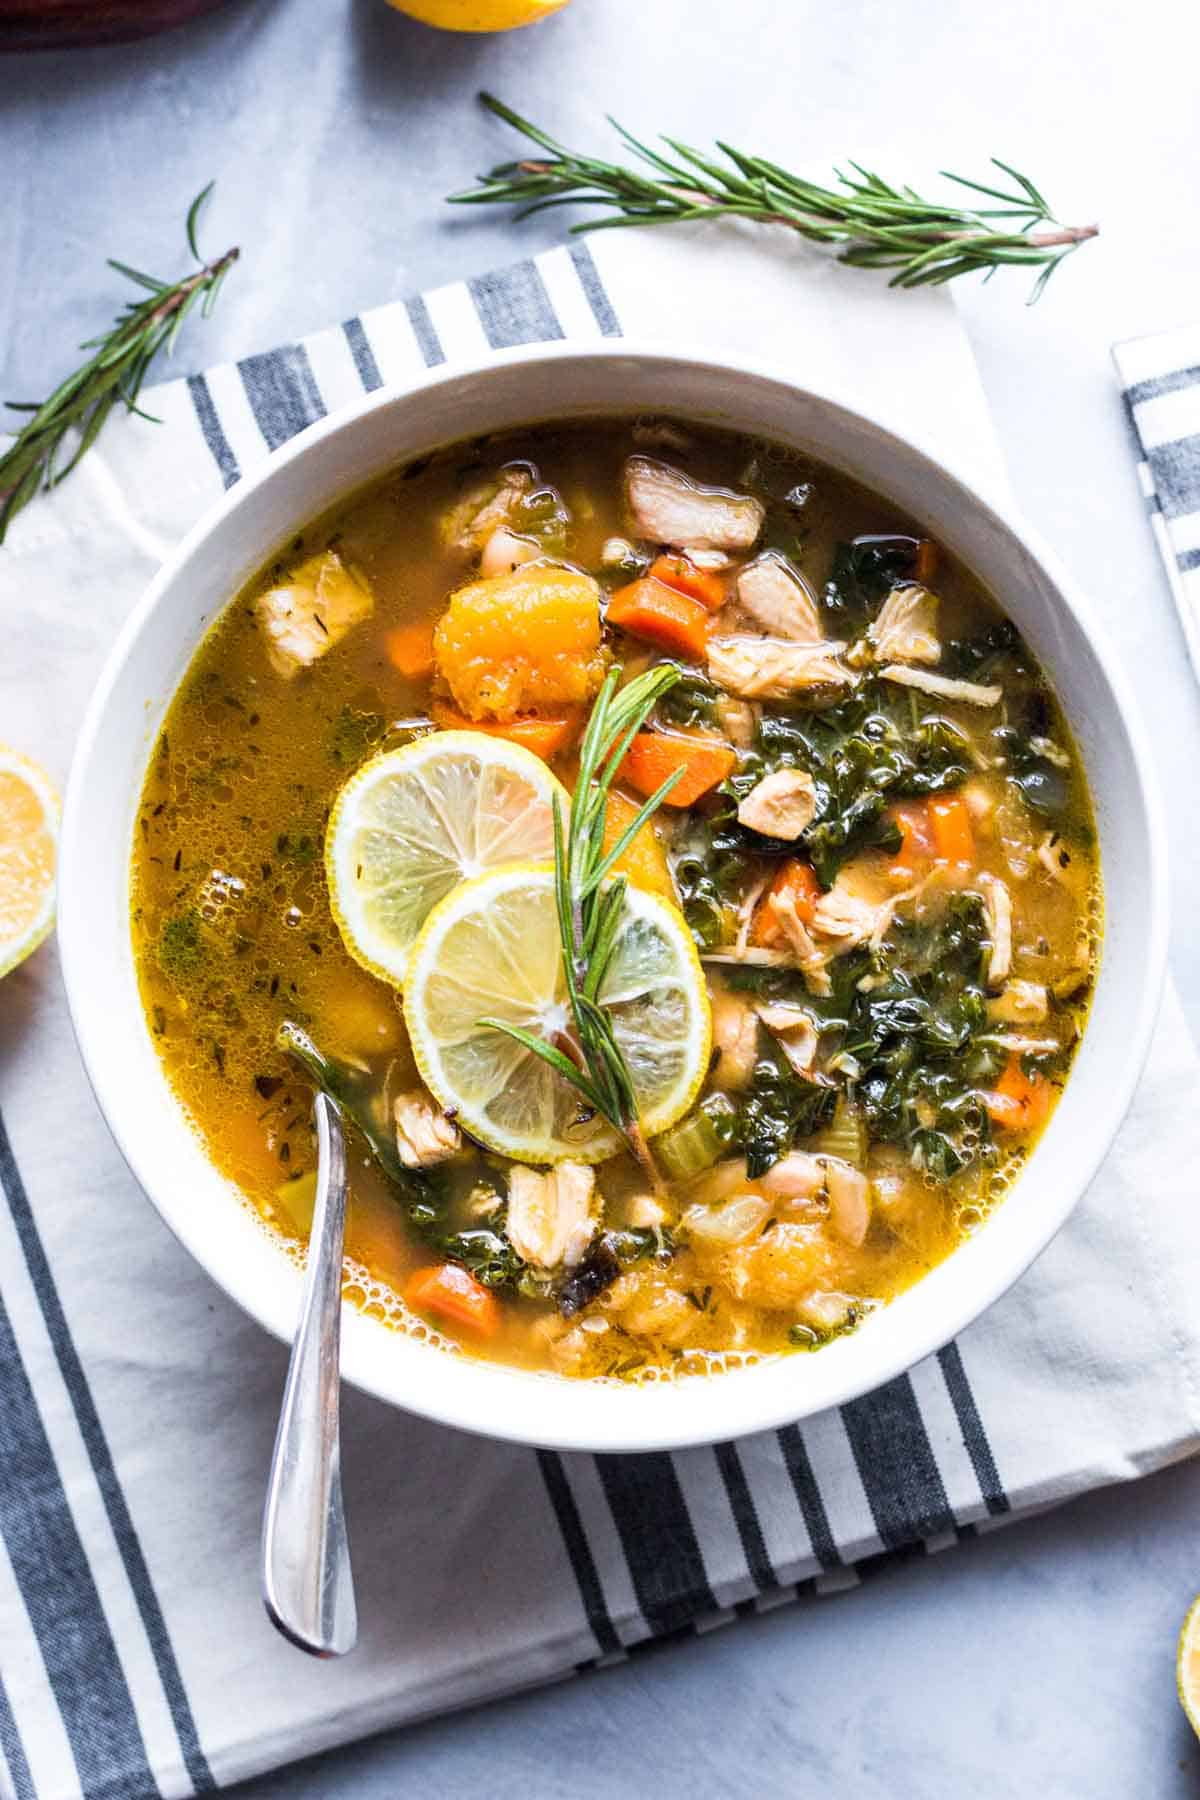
[(115, 373), (876, 225), (590, 904)]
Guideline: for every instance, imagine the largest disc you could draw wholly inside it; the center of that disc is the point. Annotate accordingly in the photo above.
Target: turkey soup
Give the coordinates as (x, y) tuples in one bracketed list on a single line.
[(673, 864)]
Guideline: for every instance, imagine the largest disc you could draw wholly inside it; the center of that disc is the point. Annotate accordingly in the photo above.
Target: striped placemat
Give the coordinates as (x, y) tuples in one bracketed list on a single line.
[(1161, 379), (137, 1405)]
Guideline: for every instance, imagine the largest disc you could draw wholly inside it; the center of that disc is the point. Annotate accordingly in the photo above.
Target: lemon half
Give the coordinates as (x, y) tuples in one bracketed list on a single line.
[(1187, 1667), (29, 812), (478, 15), (410, 825), (492, 949)]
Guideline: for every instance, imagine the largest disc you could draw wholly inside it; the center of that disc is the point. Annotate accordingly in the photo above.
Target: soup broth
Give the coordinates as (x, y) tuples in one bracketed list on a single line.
[(890, 882)]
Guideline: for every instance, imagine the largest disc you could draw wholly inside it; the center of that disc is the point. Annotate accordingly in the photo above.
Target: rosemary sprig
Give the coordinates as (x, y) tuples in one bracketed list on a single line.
[(878, 226), (590, 905), (115, 373)]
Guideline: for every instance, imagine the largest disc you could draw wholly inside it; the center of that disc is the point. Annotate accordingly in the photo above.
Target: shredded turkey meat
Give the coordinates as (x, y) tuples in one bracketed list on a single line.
[(550, 1221), (997, 905), (669, 508), (942, 687), (759, 668), (780, 805), (735, 1037), (771, 593), (849, 1200), (794, 1032), (1020, 1003), (471, 521), (906, 628), (304, 618), (424, 1135), (809, 958), (850, 916)]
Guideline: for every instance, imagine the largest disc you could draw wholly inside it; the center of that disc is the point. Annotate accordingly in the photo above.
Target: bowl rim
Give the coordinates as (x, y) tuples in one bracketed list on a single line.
[(464, 1405)]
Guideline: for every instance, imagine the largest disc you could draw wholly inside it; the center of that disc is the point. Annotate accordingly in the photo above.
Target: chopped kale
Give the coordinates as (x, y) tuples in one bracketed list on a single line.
[(354, 735), (863, 572), (181, 948), (778, 1109)]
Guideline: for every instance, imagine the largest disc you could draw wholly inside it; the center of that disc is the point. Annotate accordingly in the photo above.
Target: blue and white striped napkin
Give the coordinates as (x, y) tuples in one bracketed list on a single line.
[(137, 1405), (1161, 379)]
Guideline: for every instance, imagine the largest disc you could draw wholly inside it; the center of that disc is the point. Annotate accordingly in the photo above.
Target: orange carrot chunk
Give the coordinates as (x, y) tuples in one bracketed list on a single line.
[(653, 755), (916, 838), (797, 880), (681, 573), (1019, 1102), (410, 649), (950, 823), (452, 1293), (925, 563), (546, 737), (662, 616)]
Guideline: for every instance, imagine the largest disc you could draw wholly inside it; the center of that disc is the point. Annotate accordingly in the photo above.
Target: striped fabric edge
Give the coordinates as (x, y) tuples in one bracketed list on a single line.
[(629, 1524), (1160, 379), (86, 1671)]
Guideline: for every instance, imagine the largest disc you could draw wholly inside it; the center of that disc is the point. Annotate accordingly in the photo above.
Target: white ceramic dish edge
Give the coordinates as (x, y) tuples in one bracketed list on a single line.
[(333, 458)]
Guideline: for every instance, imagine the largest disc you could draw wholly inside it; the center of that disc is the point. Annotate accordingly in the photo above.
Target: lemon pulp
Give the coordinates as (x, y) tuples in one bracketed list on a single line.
[(28, 856), (410, 825), (491, 949)]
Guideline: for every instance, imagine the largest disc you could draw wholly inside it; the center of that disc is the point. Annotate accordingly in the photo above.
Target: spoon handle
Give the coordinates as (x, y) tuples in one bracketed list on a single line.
[(307, 1585)]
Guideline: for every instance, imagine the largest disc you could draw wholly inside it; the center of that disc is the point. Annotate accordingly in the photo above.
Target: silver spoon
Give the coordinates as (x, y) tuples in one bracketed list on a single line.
[(307, 1585)]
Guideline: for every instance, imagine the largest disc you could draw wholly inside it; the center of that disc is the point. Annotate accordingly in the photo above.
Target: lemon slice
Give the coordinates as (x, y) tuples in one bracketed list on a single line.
[(409, 826), (492, 949), (28, 856), (1187, 1667)]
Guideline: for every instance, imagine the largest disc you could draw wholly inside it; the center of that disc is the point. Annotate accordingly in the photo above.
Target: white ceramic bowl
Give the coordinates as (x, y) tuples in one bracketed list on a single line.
[(302, 480)]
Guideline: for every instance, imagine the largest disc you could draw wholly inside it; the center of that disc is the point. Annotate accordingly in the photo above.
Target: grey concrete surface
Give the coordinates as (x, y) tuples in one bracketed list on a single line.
[(1039, 1660)]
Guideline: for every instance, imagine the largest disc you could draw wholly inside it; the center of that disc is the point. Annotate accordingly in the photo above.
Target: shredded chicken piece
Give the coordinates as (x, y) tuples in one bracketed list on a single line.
[(712, 560), (424, 1135), (505, 551), (1019, 1044), (796, 1176), (761, 668), (771, 593), (735, 1034), (941, 686), (906, 628), (851, 918), (669, 508), (849, 1200), (645, 1213), (1053, 855), (1021, 1003), (780, 805), (738, 720), (824, 1311), (809, 958), (997, 904), (550, 1222), (311, 612), (794, 1032), (980, 801), (470, 522), (747, 906)]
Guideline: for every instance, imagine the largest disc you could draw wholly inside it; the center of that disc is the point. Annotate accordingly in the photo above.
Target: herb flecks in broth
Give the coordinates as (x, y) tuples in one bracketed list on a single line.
[(879, 838)]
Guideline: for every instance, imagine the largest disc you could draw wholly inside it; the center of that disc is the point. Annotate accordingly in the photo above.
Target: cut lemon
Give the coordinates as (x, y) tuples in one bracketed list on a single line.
[(1187, 1667), (492, 949), (409, 826), (28, 856), (478, 15)]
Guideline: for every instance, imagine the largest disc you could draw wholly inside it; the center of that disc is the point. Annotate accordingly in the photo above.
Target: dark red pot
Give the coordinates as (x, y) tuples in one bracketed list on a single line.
[(57, 24)]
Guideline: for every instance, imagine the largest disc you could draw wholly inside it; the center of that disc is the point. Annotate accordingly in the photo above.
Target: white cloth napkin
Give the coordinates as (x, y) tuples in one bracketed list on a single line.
[(137, 1405)]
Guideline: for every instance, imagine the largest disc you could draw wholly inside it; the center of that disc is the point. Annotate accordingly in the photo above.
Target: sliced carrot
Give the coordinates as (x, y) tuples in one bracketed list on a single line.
[(653, 755), (1019, 1102), (450, 1292), (950, 823), (797, 880), (545, 737), (916, 835), (643, 860), (925, 563), (681, 573), (660, 615), (410, 649)]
